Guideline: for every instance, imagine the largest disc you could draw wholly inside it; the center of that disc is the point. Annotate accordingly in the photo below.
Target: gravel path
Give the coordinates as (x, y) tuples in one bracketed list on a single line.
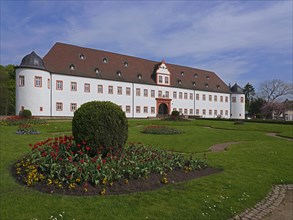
[(278, 205)]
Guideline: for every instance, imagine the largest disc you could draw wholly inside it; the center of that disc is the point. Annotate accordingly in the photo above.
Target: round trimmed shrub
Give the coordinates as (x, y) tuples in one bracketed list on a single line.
[(99, 123), (175, 113), (25, 114)]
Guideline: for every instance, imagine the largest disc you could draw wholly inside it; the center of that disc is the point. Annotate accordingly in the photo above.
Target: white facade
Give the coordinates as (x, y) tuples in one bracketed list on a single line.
[(53, 94), (59, 95)]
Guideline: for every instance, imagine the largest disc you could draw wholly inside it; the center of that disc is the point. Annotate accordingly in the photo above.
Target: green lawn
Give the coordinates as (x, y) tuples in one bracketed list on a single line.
[(250, 168)]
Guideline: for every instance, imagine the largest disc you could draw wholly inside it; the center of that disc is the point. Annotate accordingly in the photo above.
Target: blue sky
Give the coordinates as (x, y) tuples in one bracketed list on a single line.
[(242, 41)]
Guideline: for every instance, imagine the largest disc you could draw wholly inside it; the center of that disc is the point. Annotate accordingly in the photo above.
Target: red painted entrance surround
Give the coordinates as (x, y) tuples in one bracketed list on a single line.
[(165, 101)]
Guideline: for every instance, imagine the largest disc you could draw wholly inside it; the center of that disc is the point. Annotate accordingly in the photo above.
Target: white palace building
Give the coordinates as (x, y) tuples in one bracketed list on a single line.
[(69, 76)]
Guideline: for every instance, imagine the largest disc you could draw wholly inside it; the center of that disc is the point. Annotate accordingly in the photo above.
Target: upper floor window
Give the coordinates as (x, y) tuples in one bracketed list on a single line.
[(127, 90), (203, 97), (180, 95), (100, 89), (152, 93), (185, 95), (221, 98), (197, 96), (73, 86), (87, 87), (233, 99), (137, 91), (226, 99), (166, 79), (38, 81), (21, 80), (49, 83), (119, 90), (160, 93), (125, 64), (175, 95), (210, 98), (160, 79), (190, 96), (59, 84), (241, 99), (215, 98), (167, 94), (145, 93), (110, 89)]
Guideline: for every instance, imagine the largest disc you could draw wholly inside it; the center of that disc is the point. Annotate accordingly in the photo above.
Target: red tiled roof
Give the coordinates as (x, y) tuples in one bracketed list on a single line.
[(61, 56)]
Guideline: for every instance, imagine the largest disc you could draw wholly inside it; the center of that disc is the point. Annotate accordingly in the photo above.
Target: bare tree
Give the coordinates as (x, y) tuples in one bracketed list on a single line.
[(274, 109), (271, 90)]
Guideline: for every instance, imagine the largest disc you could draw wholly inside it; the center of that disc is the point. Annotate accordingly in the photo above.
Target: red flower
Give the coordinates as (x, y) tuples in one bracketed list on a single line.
[(70, 158), (87, 148), (98, 166), (60, 158), (104, 161), (82, 161), (44, 154)]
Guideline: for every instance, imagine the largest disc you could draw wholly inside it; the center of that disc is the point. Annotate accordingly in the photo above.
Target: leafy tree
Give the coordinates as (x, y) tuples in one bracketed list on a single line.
[(274, 89), (249, 94), (7, 88), (255, 107)]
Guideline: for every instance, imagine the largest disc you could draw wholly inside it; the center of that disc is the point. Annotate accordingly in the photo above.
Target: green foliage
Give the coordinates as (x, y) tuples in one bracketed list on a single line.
[(249, 167), (7, 88), (175, 113), (159, 129), (100, 124), (26, 114)]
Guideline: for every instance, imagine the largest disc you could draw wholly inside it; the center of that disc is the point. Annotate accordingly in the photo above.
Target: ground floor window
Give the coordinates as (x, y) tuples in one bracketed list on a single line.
[(73, 107), (59, 106)]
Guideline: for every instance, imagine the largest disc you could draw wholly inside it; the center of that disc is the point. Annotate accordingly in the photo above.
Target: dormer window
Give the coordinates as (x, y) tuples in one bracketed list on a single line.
[(195, 75), (207, 85), (193, 83), (218, 87), (179, 82), (208, 77), (182, 73), (72, 67), (105, 60), (97, 70), (119, 73), (82, 57), (126, 64), (139, 76)]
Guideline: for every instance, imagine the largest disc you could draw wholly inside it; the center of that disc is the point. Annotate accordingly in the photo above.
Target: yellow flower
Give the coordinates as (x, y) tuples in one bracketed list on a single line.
[(49, 182), (104, 181), (85, 189), (111, 184), (103, 192), (126, 181), (77, 180)]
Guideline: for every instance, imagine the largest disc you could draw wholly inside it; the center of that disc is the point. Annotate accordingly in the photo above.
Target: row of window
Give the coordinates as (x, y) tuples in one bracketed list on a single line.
[(100, 88), (204, 112)]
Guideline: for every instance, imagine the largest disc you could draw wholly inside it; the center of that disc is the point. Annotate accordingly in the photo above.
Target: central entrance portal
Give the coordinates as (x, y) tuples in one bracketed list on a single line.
[(163, 109), (163, 106)]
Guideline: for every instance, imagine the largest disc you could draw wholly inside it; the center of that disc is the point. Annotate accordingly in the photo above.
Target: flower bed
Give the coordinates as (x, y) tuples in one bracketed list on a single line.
[(158, 129), (26, 129), (17, 120), (63, 164)]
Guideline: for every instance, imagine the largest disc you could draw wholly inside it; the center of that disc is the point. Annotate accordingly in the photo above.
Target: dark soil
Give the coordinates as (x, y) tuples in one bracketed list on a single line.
[(152, 182)]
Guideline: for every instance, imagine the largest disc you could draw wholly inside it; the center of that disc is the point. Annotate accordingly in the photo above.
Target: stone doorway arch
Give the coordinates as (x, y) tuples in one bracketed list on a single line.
[(163, 109)]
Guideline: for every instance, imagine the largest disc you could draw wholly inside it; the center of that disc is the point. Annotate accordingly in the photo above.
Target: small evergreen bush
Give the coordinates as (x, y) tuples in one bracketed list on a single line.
[(26, 113), (100, 124)]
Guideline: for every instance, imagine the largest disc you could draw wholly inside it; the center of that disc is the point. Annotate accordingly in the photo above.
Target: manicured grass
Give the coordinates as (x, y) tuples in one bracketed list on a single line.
[(250, 168)]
